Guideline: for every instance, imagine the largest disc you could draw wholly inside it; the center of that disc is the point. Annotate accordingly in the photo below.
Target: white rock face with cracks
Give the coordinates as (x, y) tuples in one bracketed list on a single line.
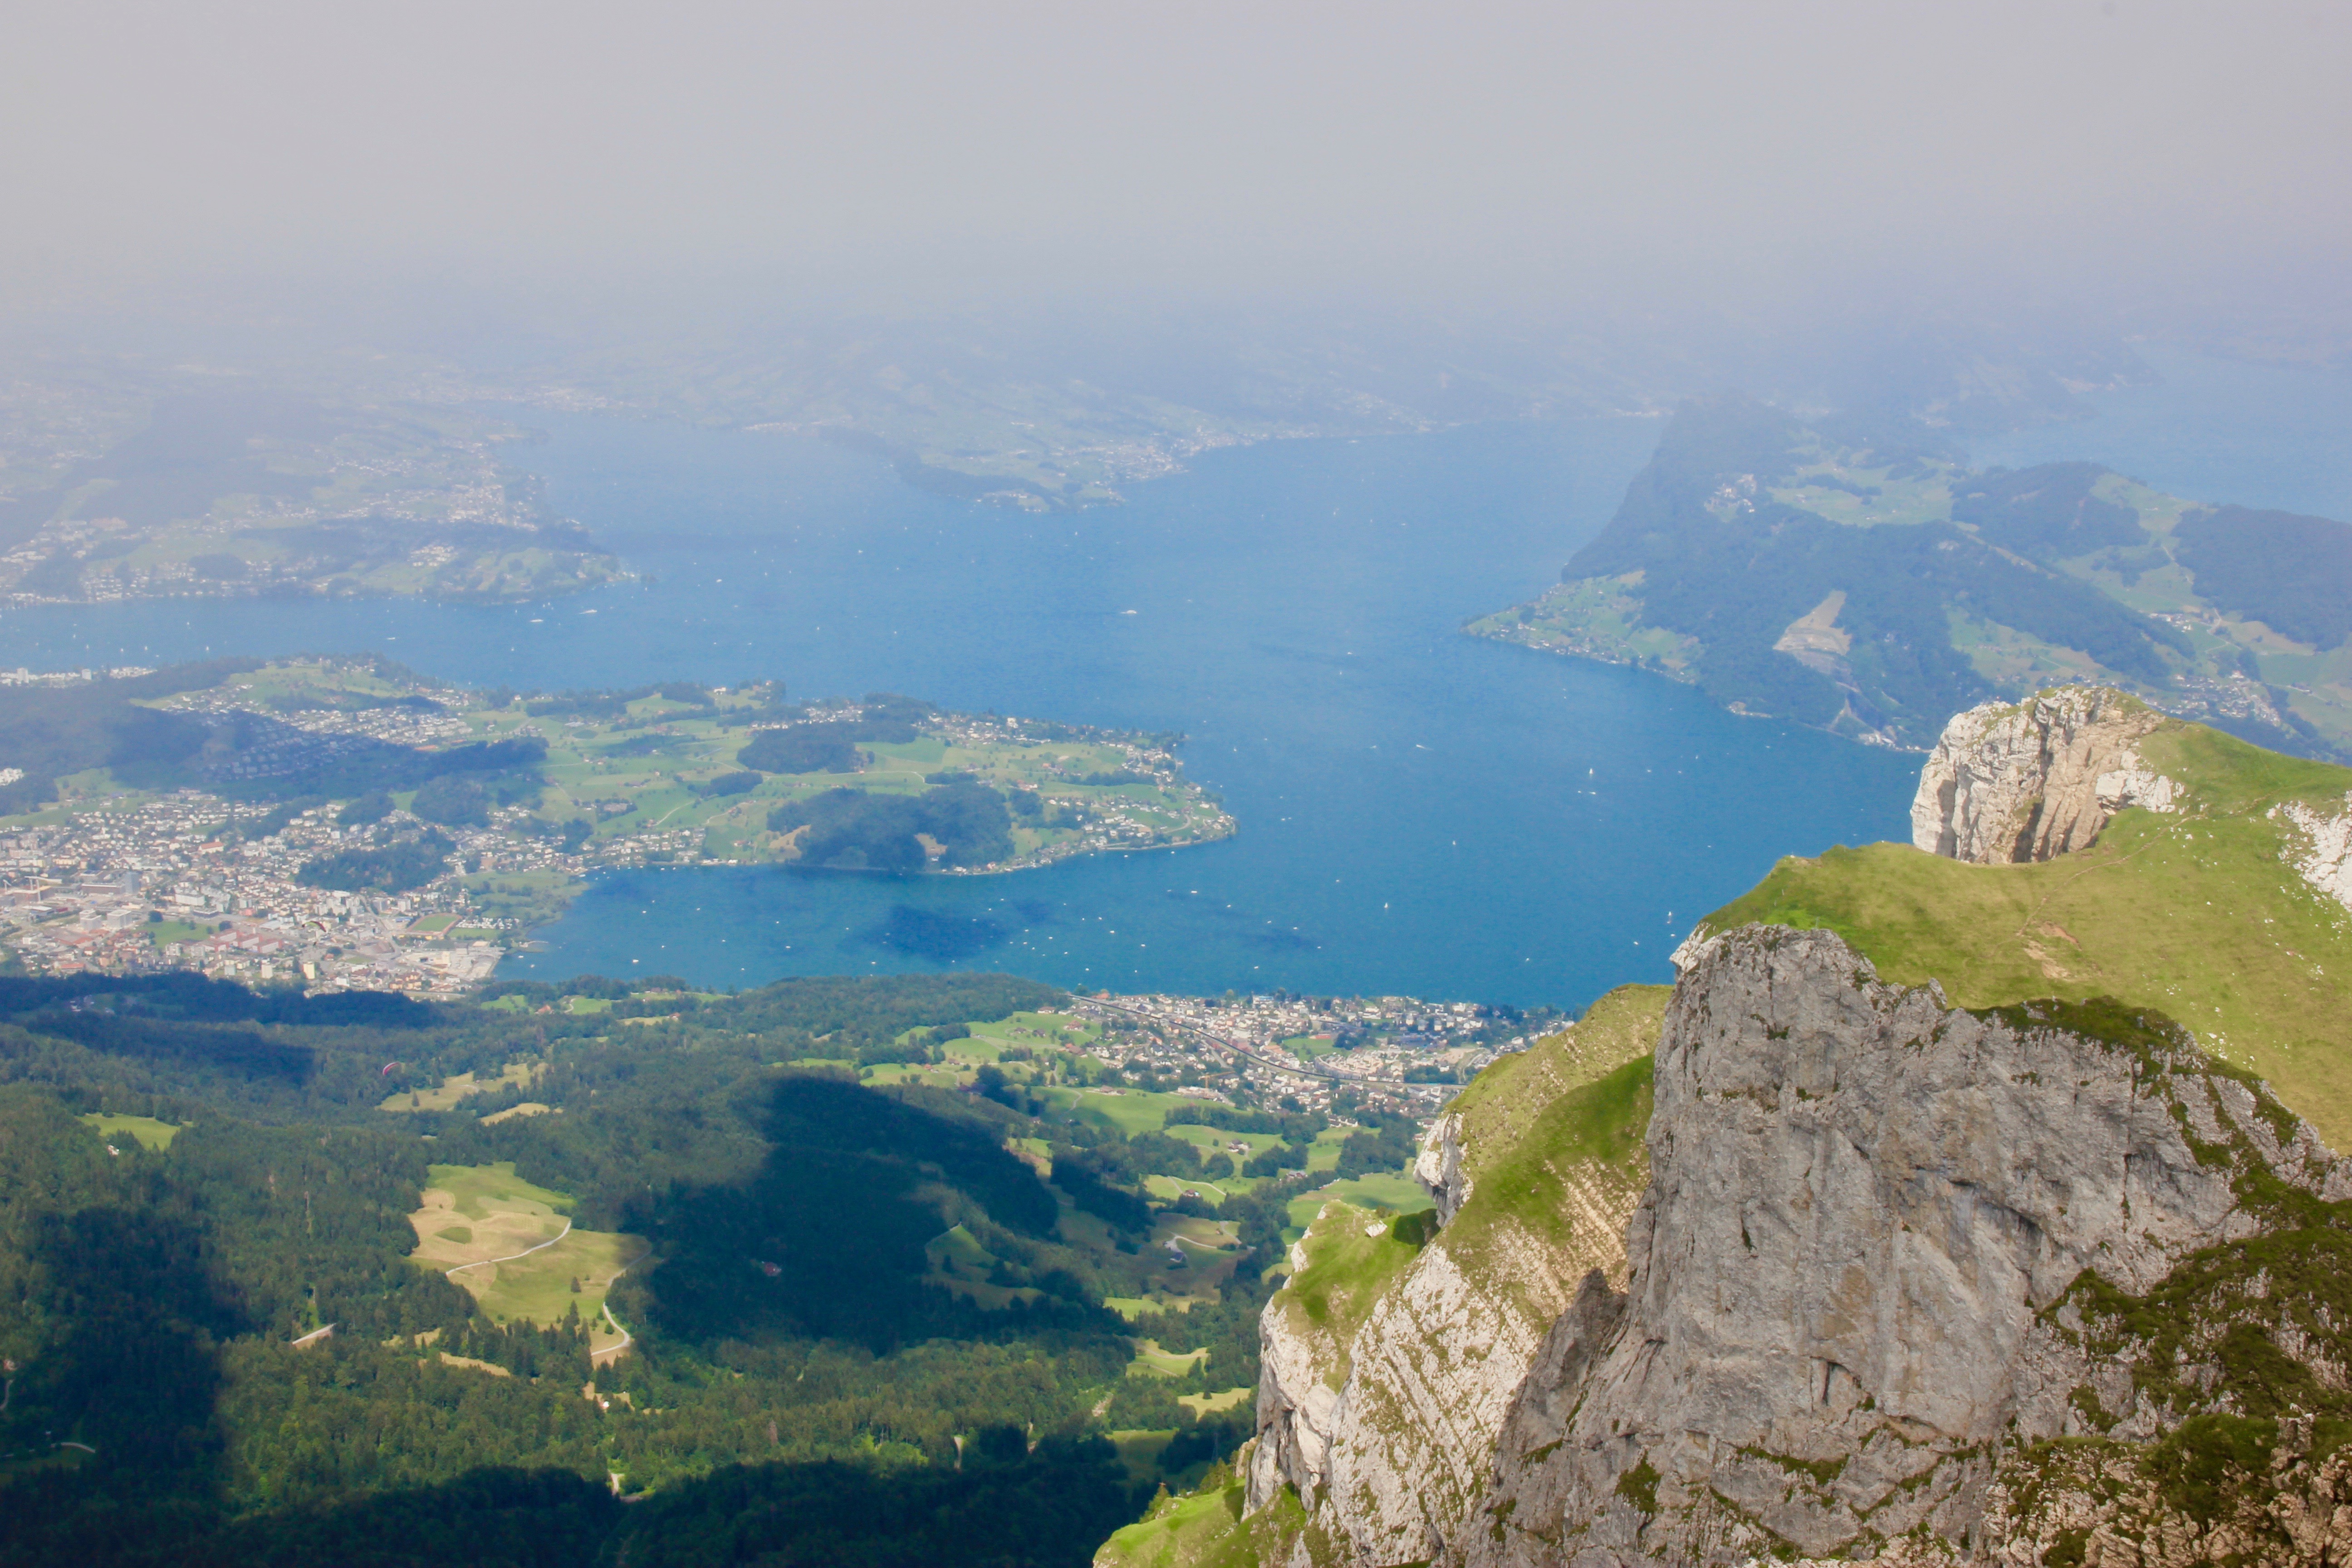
[(1385, 1422), (2323, 855), (2033, 780)]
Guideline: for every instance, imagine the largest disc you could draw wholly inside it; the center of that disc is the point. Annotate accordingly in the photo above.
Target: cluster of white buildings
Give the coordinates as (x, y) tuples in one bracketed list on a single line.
[(649, 846), (173, 885), (312, 737), (20, 676), (1236, 1048)]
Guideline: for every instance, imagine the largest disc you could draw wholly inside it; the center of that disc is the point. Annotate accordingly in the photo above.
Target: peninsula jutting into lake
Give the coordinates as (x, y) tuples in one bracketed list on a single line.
[(349, 824)]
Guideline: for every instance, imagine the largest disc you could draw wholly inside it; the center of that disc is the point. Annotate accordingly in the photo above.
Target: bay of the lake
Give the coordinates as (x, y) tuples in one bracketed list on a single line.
[(1421, 811)]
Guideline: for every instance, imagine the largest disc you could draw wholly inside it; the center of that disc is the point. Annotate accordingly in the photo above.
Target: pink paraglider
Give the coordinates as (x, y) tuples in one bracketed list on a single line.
[(387, 1069)]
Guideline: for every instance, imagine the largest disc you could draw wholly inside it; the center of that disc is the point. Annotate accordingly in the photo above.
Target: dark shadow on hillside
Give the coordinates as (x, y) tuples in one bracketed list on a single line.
[(826, 1238), (184, 1023), (237, 1052), (1004, 1506), (497, 1518), (1007, 1507), (131, 1374), (182, 995)]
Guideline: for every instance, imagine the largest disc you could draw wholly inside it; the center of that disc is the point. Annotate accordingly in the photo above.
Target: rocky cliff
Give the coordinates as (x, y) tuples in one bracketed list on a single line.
[(2031, 780), (1390, 1357), (2320, 847), (2232, 911), (2044, 1286), (1892, 1252), (2030, 1282)]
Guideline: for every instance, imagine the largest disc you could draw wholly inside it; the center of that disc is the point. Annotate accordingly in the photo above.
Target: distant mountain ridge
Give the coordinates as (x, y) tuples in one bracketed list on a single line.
[(1871, 590)]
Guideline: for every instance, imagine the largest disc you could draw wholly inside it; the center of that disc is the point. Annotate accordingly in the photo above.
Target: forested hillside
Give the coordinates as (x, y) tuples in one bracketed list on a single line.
[(834, 1322), (1875, 591)]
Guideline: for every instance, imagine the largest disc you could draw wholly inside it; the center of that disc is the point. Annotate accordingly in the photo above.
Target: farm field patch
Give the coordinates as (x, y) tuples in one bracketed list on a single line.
[(514, 1248), (463, 1086), (149, 1132)]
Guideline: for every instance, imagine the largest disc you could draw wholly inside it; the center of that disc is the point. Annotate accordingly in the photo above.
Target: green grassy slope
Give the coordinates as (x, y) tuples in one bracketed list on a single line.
[(149, 1132), (2198, 914), (1206, 1528), (1577, 1099), (1534, 1125)]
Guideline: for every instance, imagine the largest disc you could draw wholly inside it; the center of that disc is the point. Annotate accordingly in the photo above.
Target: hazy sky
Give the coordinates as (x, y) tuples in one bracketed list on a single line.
[(1442, 151)]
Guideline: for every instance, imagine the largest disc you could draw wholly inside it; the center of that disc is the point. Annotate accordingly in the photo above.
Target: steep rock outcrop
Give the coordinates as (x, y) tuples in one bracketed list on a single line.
[(2031, 780), (2321, 855), (1389, 1360), (1880, 1259), (1443, 1166)]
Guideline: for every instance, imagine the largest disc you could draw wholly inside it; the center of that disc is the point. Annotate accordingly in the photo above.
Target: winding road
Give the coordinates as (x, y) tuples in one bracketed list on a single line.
[(609, 1351), (526, 1252)]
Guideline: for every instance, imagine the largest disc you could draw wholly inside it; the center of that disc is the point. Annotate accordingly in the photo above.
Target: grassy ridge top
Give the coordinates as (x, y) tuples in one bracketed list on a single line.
[(1504, 1102), (1557, 1183), (2199, 914)]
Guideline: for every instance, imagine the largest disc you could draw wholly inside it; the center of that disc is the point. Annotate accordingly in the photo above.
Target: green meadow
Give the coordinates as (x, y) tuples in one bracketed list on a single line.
[(512, 1247), (650, 768), (461, 1086), (148, 1131)]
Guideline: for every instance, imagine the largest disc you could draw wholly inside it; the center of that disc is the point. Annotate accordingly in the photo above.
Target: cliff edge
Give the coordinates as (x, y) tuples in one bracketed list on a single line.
[(1890, 1252), (1390, 1358), (1910, 1245)]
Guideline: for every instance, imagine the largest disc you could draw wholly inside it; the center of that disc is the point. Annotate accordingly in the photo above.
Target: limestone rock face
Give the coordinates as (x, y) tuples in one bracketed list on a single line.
[(1380, 1402), (1440, 1167), (2324, 857), (1394, 1457), (1849, 1301), (2020, 782), (1296, 1406)]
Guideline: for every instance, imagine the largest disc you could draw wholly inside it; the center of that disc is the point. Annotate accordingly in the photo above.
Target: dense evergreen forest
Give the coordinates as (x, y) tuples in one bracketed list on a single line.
[(2290, 571), (800, 1387)]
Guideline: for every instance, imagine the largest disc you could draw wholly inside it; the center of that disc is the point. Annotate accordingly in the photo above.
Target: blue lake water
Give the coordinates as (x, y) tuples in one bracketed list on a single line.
[(1420, 812)]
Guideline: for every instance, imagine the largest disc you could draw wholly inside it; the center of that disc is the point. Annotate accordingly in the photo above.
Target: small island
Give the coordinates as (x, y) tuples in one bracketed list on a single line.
[(350, 824)]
